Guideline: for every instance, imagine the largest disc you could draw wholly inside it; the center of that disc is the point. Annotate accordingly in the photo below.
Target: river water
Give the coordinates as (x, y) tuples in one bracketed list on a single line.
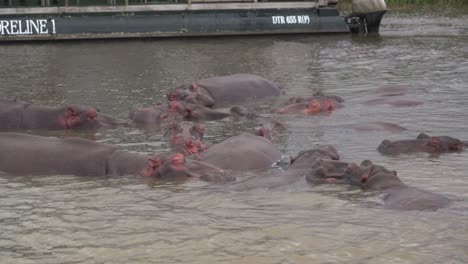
[(67, 219)]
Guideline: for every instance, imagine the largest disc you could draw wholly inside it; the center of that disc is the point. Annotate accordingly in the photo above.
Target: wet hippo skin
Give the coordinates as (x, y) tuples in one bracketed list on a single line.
[(223, 91)]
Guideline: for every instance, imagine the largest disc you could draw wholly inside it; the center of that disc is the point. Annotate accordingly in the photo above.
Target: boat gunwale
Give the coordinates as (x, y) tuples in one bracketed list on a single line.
[(155, 8)]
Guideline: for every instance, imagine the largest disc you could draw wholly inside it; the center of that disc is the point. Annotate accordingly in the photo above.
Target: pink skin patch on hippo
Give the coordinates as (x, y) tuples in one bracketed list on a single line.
[(69, 118), (313, 107), (151, 167), (328, 105), (194, 87), (330, 180), (177, 162), (92, 113), (178, 107), (190, 147), (436, 144)]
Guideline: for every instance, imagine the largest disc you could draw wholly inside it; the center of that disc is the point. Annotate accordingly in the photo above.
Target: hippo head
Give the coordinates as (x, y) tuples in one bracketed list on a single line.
[(176, 110), (371, 176), (173, 168), (148, 115), (306, 157), (311, 107), (173, 128), (187, 146), (326, 170), (180, 93), (78, 117), (191, 93), (152, 166), (439, 144), (176, 168)]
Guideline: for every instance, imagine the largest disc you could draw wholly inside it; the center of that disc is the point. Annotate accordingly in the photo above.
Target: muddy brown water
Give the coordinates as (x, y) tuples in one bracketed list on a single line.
[(67, 219)]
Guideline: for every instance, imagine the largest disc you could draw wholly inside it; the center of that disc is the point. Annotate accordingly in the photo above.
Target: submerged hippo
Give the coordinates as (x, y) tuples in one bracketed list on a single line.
[(185, 138), (394, 101), (266, 126), (242, 152), (375, 126), (316, 104), (175, 110), (17, 115), (307, 164), (423, 143), (24, 154), (222, 91), (398, 195)]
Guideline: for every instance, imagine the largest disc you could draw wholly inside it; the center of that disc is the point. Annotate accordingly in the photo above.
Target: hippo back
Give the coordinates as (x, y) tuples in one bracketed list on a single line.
[(11, 113), (24, 154), (237, 88), (242, 152), (410, 198)]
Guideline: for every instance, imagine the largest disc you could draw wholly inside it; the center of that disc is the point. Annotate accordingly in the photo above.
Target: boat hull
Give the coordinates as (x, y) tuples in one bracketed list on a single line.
[(169, 23)]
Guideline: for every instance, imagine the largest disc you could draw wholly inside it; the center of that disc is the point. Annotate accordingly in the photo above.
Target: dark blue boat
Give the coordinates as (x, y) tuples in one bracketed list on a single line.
[(195, 18)]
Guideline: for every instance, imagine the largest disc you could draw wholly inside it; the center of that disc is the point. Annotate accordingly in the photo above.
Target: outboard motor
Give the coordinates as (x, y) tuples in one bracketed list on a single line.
[(366, 16)]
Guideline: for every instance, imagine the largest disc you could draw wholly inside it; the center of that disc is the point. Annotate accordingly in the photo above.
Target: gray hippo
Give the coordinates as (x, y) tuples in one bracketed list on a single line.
[(392, 95), (307, 164), (398, 195), (223, 91), (17, 115), (266, 126), (174, 111), (242, 152), (24, 154), (393, 101), (423, 143), (316, 104), (375, 126)]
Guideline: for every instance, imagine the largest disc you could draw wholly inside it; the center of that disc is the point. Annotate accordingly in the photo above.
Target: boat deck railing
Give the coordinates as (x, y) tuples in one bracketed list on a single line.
[(96, 3), (21, 7)]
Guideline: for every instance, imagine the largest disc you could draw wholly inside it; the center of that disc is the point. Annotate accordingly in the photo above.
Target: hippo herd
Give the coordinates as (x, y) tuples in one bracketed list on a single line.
[(211, 99)]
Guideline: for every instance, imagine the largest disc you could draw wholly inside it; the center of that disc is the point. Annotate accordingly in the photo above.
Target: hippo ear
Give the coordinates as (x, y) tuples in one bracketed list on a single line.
[(151, 168), (154, 162), (318, 93), (423, 136), (292, 159), (394, 173)]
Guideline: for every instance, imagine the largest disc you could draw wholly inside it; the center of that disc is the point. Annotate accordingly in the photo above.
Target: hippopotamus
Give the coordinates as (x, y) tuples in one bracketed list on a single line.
[(242, 152), (390, 90), (224, 91), (24, 154), (398, 195), (395, 102), (175, 110), (184, 138), (266, 126), (316, 104), (376, 126), (423, 143), (307, 164), (17, 115)]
